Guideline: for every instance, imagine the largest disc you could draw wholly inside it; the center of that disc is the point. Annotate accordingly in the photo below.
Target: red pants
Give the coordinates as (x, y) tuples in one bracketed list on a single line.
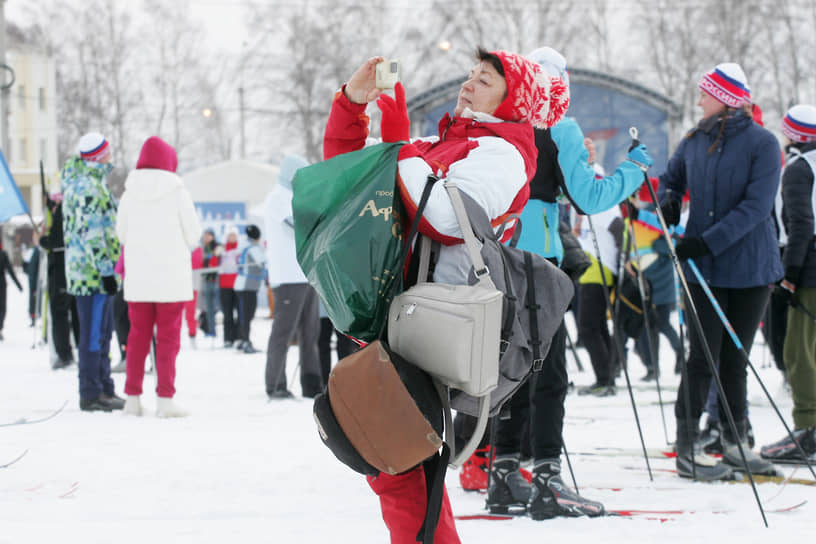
[(190, 314), (166, 318), (403, 499)]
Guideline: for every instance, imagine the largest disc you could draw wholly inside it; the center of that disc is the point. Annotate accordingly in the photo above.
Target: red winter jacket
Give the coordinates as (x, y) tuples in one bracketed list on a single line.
[(489, 159)]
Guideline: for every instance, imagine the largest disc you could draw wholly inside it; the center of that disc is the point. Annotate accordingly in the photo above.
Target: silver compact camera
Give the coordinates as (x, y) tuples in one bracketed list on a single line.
[(387, 73)]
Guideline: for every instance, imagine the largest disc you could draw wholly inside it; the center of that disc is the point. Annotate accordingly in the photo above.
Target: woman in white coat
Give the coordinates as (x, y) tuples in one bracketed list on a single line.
[(158, 226)]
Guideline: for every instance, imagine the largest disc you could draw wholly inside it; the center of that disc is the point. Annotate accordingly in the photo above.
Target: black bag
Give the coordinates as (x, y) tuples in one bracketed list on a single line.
[(630, 305)]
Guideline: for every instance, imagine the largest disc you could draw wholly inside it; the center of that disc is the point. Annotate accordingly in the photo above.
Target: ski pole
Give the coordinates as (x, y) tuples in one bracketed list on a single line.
[(738, 344), (695, 318), (574, 353), (569, 464), (618, 346), (653, 353), (799, 306)]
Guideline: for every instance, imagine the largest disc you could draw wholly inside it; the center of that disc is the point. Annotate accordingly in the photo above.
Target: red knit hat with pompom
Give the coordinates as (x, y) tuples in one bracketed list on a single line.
[(532, 95)]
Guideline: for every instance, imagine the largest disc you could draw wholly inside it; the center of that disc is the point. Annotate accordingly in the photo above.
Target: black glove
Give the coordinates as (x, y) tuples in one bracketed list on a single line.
[(691, 248), (785, 294), (792, 274), (109, 285), (671, 212)]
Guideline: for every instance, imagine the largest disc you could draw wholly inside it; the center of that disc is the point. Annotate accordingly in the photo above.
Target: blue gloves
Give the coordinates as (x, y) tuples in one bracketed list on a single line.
[(640, 157)]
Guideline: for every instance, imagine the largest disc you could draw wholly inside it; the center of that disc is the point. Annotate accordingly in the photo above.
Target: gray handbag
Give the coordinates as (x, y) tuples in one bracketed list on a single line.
[(451, 331)]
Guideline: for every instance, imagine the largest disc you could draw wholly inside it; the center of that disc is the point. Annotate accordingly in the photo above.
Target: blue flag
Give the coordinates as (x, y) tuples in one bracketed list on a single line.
[(11, 201)]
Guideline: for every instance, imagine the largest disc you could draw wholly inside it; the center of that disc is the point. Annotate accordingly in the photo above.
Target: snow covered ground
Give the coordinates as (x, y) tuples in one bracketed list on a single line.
[(241, 469)]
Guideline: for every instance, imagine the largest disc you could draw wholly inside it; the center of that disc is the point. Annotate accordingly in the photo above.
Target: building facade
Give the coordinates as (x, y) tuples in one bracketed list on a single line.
[(32, 121)]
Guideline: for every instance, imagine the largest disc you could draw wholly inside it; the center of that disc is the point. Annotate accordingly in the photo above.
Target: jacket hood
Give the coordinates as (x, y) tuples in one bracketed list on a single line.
[(158, 154), (151, 184), (520, 135), (76, 168)]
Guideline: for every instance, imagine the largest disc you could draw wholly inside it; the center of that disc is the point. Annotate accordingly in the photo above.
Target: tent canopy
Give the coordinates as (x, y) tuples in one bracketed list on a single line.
[(232, 181)]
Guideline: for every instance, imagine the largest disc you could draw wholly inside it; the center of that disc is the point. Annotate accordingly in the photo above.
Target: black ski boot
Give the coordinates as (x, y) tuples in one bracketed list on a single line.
[(551, 498), (508, 492), (703, 467), (785, 450), (710, 438)]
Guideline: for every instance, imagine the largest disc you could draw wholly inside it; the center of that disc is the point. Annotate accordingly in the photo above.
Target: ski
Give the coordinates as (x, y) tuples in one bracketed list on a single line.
[(653, 453), (660, 515), (741, 479), (27, 421), (14, 460)]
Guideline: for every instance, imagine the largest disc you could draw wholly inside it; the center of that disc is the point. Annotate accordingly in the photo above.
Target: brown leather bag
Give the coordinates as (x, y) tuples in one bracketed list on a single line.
[(369, 396)]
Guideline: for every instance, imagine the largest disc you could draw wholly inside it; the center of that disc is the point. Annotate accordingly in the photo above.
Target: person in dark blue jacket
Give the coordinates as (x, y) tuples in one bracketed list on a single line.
[(730, 166), (563, 168)]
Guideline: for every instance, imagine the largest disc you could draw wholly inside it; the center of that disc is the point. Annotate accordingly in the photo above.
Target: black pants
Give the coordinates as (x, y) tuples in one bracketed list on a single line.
[(247, 304), (121, 321), (64, 317), (542, 397), (229, 307), (2, 304), (594, 332), (774, 327), (345, 346), (743, 308)]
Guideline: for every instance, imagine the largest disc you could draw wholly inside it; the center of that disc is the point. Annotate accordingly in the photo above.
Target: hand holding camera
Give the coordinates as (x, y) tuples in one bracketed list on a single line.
[(362, 86), (371, 78)]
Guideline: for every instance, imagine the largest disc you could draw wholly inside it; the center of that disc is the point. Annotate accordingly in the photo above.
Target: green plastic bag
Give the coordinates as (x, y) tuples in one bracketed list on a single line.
[(348, 235)]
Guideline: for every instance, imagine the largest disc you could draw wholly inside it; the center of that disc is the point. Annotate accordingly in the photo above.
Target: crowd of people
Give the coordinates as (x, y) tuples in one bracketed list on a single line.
[(511, 147), (142, 266)]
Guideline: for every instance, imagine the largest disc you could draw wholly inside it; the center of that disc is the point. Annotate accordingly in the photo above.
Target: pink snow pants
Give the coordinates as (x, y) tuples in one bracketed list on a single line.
[(166, 317), (403, 500)]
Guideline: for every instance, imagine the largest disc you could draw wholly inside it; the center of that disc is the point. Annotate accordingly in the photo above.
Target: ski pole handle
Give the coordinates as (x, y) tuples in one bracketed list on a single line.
[(633, 132)]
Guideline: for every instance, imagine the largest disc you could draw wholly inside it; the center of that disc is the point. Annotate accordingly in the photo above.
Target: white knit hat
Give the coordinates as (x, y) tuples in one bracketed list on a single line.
[(94, 147), (799, 123), (728, 84), (551, 61)]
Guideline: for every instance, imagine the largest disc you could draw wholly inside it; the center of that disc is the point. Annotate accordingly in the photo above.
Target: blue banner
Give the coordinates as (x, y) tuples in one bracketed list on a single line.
[(11, 201)]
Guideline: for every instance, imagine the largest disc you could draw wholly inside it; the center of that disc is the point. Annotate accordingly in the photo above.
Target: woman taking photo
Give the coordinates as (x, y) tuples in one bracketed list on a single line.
[(488, 148)]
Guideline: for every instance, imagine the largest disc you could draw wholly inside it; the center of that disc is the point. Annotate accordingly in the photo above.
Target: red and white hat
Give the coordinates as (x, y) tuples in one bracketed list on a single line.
[(533, 96), (799, 123), (728, 84), (94, 147)]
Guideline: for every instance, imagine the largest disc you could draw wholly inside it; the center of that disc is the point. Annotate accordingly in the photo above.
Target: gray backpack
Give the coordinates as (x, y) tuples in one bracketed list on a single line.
[(536, 295)]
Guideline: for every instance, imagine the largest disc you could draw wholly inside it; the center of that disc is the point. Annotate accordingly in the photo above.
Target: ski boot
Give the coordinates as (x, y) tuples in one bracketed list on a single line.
[(732, 457), (598, 390), (693, 462), (785, 450), (509, 491), (551, 498), (710, 438), (473, 474)]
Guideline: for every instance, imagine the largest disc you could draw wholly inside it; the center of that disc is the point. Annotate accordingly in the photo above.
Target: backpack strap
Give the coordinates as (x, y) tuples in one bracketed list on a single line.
[(533, 307), (480, 269), (434, 468)]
